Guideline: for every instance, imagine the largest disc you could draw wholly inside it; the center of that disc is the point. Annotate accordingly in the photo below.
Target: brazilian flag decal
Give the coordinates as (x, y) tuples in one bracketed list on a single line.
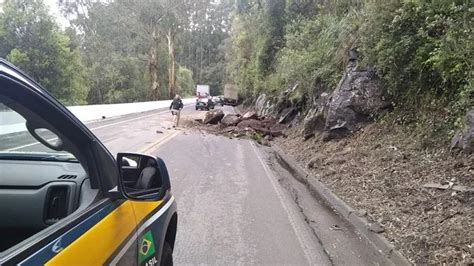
[(146, 246)]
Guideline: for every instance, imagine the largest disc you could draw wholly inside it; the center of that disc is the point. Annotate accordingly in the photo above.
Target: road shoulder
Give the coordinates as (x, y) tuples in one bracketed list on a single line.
[(348, 214)]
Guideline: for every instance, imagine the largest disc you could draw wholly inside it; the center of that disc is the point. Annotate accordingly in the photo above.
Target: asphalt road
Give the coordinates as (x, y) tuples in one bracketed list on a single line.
[(236, 205)]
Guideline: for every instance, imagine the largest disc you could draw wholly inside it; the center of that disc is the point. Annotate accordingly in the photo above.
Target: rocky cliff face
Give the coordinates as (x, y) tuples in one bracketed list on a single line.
[(464, 139), (356, 100)]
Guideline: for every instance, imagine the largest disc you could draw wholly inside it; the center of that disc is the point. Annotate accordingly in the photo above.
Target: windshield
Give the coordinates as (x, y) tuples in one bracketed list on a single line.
[(16, 142)]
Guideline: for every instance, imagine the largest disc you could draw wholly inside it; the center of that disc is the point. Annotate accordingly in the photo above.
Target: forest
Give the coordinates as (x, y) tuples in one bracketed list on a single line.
[(128, 51), (117, 51)]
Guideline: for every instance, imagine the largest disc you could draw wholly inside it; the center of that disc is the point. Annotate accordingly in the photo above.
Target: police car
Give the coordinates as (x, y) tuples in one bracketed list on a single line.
[(64, 199)]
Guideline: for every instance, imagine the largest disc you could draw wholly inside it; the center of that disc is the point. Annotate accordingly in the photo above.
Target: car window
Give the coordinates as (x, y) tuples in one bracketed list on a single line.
[(17, 141), (44, 183)]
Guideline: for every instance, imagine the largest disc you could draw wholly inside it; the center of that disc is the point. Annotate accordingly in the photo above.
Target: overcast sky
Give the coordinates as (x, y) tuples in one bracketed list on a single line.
[(54, 10)]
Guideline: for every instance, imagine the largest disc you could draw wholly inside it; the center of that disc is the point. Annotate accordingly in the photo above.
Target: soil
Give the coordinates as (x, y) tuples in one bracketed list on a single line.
[(380, 171)]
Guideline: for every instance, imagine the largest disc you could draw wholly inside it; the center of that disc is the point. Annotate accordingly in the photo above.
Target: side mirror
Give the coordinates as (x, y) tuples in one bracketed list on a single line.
[(142, 177)]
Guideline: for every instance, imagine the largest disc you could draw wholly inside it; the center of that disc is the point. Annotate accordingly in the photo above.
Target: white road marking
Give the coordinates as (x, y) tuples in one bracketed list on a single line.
[(160, 142), (95, 128), (28, 145), (312, 251)]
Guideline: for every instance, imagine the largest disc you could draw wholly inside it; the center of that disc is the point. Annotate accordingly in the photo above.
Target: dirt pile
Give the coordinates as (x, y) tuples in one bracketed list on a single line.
[(424, 200)]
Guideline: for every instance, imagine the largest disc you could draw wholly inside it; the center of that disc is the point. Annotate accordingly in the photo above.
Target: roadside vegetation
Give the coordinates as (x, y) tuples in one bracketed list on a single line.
[(422, 50)]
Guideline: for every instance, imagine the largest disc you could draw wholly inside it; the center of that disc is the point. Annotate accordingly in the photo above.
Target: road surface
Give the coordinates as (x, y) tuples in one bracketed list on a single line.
[(236, 205)]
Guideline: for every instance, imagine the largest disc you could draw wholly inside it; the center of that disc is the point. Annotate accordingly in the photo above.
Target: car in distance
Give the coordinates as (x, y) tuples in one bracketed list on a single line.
[(64, 199), (204, 104)]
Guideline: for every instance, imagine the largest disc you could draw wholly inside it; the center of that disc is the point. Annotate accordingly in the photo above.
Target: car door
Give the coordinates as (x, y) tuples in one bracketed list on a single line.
[(101, 227)]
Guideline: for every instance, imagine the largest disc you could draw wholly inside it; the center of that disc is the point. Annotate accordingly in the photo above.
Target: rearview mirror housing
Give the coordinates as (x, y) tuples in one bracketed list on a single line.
[(142, 177)]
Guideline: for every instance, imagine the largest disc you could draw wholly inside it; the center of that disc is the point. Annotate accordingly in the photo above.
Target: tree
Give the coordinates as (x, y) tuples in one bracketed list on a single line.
[(184, 82), (201, 44), (32, 41), (115, 49)]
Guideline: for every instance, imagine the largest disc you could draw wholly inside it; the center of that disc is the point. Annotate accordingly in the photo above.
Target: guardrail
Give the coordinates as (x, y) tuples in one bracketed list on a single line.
[(12, 122)]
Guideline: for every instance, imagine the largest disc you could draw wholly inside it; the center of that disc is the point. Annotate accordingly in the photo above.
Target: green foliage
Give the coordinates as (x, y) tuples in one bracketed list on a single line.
[(31, 40), (149, 38), (315, 52), (185, 82), (422, 50), (201, 46)]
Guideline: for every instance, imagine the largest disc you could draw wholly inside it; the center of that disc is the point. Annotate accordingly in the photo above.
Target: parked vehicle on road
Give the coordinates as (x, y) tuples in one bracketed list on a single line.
[(204, 104), (65, 200), (218, 100)]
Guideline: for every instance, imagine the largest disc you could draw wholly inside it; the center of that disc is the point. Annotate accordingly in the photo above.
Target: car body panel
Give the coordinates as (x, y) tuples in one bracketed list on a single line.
[(109, 230)]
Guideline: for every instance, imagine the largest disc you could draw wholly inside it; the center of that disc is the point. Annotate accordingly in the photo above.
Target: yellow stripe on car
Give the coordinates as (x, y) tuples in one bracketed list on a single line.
[(96, 245)]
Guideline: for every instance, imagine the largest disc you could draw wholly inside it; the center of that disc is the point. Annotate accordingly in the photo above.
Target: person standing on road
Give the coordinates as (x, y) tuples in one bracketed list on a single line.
[(175, 107)]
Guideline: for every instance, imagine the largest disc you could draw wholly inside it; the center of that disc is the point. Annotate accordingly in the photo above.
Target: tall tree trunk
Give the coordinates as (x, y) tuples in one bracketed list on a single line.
[(154, 93), (201, 58), (172, 69)]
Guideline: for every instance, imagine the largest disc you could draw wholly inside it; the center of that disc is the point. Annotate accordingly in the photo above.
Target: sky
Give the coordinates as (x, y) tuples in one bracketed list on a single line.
[(54, 10)]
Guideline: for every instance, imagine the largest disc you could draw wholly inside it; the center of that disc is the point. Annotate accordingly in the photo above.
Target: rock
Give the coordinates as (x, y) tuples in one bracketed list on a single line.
[(261, 103), (213, 117), (358, 97), (376, 227), (315, 120), (250, 115), (264, 105), (288, 115), (316, 162), (464, 139), (361, 213), (264, 142), (230, 120)]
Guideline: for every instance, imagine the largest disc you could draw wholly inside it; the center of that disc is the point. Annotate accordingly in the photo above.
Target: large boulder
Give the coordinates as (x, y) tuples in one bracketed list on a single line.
[(357, 99), (464, 139), (250, 115), (264, 106), (230, 120), (315, 120), (213, 117)]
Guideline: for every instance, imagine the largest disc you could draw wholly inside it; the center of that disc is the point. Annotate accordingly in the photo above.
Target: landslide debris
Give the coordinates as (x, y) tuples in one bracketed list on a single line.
[(423, 199), (261, 128)]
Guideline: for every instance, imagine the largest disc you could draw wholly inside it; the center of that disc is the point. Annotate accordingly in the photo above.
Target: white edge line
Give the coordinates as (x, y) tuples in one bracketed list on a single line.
[(270, 176), (140, 230), (95, 128)]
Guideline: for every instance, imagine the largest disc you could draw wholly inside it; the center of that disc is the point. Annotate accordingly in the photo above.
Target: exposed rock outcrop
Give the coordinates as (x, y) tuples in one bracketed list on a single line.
[(315, 120), (464, 139), (357, 99)]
